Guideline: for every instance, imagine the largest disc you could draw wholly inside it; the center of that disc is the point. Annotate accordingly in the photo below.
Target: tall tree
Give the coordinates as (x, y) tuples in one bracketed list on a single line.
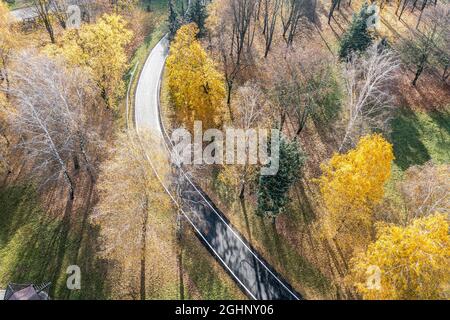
[(273, 190), (271, 10), (233, 26), (43, 11), (173, 19), (132, 200), (369, 103), (8, 42), (100, 48), (196, 87), (351, 185), (429, 45), (292, 14), (357, 38), (412, 262), (52, 103), (198, 14)]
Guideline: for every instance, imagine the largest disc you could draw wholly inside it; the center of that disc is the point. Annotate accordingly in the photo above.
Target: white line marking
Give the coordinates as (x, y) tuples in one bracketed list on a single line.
[(237, 236), (174, 200)]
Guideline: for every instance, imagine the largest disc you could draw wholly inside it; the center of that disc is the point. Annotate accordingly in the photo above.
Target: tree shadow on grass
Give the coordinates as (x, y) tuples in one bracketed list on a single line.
[(294, 266), (406, 137), (36, 247)]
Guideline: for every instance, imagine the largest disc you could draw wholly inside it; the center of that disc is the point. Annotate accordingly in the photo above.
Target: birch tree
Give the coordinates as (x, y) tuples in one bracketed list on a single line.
[(49, 115), (369, 104)]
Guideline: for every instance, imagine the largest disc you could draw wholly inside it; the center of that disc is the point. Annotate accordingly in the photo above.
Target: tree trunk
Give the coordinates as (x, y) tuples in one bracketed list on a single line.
[(418, 73), (144, 249)]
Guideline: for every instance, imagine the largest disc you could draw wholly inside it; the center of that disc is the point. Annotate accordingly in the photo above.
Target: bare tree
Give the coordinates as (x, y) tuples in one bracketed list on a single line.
[(425, 190), (270, 14), (304, 83), (49, 115), (235, 39), (249, 110), (43, 9), (292, 12), (429, 44), (369, 104)]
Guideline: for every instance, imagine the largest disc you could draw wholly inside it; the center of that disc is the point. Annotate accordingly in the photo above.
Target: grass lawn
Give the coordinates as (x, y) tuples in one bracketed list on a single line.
[(35, 247), (419, 137)]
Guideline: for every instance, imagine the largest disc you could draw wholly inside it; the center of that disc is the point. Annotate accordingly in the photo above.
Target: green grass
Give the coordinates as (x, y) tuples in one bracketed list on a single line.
[(17, 4), (274, 246), (419, 137), (37, 248)]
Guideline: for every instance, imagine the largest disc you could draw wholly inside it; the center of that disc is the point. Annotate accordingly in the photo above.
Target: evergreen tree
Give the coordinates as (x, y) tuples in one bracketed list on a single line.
[(357, 38), (174, 22), (197, 13), (273, 190)]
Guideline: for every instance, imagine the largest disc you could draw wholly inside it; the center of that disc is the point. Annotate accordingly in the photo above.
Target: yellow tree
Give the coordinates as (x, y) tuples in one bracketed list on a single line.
[(411, 262), (196, 87), (131, 205), (8, 41), (351, 185), (100, 47)]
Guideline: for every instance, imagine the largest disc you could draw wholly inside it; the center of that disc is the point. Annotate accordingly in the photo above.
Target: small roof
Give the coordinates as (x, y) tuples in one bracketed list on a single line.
[(28, 293)]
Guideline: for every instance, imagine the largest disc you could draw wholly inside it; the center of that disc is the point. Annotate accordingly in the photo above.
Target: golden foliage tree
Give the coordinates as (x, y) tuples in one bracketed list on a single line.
[(8, 41), (412, 262), (100, 47), (133, 219), (351, 185), (196, 87)]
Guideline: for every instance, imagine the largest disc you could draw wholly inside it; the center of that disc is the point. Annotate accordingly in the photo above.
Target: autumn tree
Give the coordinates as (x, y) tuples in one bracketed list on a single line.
[(425, 190), (100, 48), (198, 14), (305, 85), (173, 19), (292, 13), (358, 37), (412, 262), (232, 25), (273, 189), (44, 12), (270, 10), (351, 185), (131, 203), (51, 116), (8, 42), (196, 87), (250, 110), (369, 103), (428, 46)]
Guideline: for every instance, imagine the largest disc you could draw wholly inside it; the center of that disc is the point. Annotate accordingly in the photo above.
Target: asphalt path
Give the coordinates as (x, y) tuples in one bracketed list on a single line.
[(246, 266)]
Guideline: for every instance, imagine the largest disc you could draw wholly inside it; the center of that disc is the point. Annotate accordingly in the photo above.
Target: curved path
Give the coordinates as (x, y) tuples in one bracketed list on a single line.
[(254, 276)]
